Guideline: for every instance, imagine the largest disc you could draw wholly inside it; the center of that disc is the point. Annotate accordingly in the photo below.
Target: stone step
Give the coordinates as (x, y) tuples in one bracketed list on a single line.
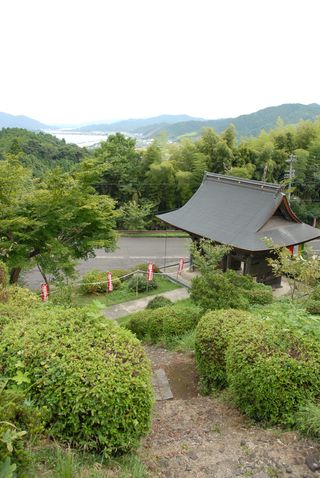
[(161, 385)]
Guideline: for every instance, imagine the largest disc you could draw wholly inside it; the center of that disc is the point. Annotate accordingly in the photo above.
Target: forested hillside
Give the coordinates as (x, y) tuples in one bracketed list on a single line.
[(39, 151), (246, 125), (164, 176)]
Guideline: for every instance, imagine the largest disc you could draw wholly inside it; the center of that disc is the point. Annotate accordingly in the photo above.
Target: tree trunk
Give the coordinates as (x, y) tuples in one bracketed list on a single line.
[(44, 276), (14, 275)]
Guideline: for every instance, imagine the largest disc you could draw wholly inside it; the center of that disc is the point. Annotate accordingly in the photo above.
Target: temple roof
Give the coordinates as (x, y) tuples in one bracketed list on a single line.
[(241, 213)]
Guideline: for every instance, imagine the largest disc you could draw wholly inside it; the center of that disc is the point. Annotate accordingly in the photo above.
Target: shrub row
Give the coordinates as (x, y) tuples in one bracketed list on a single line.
[(270, 370), (218, 290), (165, 322), (93, 376)]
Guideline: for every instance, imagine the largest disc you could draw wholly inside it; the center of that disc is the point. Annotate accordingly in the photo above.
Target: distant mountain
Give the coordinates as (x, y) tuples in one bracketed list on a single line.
[(11, 121), (246, 125), (131, 125)]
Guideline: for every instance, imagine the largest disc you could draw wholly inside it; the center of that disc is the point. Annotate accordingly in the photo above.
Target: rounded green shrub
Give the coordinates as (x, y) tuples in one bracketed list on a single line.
[(139, 324), (172, 321), (158, 301), (140, 283), (272, 370), (119, 273), (313, 302), (95, 282), (245, 282), (260, 294), (20, 304), (215, 291), (93, 376), (212, 338), (313, 306)]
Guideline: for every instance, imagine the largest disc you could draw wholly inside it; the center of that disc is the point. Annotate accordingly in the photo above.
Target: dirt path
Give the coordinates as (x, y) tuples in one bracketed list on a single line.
[(194, 436)]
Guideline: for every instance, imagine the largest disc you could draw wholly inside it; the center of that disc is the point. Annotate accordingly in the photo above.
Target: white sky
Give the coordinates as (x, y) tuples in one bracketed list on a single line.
[(75, 61)]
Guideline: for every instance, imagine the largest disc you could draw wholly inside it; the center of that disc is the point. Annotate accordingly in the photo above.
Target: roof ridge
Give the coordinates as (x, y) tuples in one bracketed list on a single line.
[(251, 183)]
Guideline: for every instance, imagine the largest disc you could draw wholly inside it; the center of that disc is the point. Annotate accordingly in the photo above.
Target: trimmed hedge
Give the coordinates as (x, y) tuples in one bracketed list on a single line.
[(212, 338), (19, 304), (158, 301), (215, 291), (260, 294), (93, 376), (313, 302), (165, 322), (272, 370), (95, 282)]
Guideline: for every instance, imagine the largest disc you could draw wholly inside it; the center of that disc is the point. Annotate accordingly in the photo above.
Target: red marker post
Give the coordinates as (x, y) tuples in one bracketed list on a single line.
[(180, 266), (109, 282), (150, 271), (44, 289)]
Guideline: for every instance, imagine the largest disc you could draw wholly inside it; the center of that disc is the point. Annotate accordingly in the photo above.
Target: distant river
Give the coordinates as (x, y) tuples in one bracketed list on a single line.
[(81, 139)]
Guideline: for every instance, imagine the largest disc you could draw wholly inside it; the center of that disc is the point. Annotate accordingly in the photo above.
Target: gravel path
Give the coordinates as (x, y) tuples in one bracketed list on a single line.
[(198, 437)]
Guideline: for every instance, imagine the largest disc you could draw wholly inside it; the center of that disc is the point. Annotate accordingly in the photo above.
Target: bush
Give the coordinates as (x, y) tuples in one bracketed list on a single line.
[(313, 302), (308, 419), (140, 283), (172, 321), (212, 338), (158, 301), (20, 422), (20, 303), (139, 324), (215, 291), (272, 370), (165, 323), (313, 306), (241, 281), (63, 294), (119, 273), (93, 375), (95, 282), (260, 294)]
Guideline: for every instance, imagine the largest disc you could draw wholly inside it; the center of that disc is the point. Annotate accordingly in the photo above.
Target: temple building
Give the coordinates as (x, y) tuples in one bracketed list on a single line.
[(242, 213)]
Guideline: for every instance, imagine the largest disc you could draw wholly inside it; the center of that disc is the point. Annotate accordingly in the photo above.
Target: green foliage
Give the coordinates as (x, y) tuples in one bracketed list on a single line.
[(299, 270), (138, 323), (52, 222), (20, 422), (213, 290), (140, 283), (95, 282), (260, 294), (211, 342), (272, 370), (63, 294), (78, 362), (3, 275), (135, 216), (158, 301), (164, 324), (313, 302), (308, 419), (207, 256)]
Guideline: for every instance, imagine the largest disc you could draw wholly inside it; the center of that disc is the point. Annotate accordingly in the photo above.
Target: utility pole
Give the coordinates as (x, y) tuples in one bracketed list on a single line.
[(290, 174)]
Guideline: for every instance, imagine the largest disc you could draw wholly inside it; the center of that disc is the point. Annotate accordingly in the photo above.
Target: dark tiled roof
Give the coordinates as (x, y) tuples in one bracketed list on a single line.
[(239, 212)]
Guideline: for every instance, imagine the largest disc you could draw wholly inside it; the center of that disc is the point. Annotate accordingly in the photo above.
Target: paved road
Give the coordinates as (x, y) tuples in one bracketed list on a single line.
[(130, 251)]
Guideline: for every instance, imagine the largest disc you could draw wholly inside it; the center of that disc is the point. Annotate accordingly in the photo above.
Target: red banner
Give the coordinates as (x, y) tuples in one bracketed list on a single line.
[(150, 271), (180, 266), (110, 285), (44, 289)]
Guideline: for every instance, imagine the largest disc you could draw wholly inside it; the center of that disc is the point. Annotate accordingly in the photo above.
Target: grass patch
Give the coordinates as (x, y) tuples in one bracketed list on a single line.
[(53, 461), (124, 295)]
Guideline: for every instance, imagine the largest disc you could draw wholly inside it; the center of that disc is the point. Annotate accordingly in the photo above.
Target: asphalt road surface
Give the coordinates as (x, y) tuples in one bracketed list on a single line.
[(130, 251)]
